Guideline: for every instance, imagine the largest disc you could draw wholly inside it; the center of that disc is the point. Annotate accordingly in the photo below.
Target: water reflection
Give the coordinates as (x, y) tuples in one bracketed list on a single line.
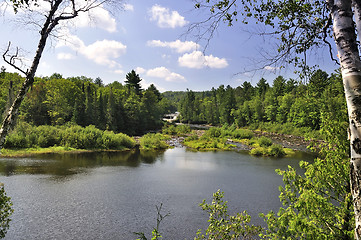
[(74, 163)]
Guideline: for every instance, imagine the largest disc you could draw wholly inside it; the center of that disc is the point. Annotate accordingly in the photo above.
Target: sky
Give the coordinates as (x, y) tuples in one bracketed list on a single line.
[(152, 38)]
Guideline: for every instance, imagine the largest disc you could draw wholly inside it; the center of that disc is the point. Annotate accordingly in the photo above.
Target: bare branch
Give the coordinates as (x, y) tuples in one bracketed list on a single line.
[(13, 58)]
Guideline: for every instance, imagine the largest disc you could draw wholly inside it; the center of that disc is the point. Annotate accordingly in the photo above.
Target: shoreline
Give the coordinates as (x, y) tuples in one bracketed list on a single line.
[(295, 143)]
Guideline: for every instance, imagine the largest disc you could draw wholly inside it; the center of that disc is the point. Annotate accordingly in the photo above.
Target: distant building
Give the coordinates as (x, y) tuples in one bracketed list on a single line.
[(171, 117)]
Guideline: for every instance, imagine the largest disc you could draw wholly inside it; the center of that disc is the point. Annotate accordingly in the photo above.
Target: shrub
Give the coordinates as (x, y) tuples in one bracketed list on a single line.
[(152, 141), (258, 151), (242, 134), (6, 211), (277, 150), (264, 141), (47, 136), (214, 132), (169, 129), (183, 129)]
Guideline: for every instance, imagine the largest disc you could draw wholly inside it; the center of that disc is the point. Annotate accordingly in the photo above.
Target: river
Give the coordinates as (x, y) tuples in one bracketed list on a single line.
[(111, 195)]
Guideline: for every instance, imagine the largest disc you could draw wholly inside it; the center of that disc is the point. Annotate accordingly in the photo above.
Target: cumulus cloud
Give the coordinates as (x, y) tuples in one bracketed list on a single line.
[(198, 60), (166, 18), (162, 72), (101, 52), (178, 46), (97, 17), (140, 70), (64, 56)]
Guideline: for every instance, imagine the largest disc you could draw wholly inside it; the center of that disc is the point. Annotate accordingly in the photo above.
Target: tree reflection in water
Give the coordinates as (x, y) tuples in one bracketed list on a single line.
[(73, 163)]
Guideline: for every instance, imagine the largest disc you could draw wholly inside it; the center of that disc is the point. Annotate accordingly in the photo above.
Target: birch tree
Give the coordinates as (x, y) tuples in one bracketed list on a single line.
[(302, 26), (51, 15)]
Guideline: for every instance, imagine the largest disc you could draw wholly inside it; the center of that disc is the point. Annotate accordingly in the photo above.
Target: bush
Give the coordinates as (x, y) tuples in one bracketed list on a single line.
[(277, 150), (264, 141), (152, 141), (116, 141), (214, 132), (6, 211), (183, 129), (242, 134), (258, 151), (169, 129)]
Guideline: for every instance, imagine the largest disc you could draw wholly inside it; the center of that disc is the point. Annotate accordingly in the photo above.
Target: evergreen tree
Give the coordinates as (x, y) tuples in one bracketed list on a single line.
[(133, 82), (111, 113)]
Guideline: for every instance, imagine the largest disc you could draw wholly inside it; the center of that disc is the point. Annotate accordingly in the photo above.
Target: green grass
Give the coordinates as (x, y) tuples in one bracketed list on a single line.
[(34, 151)]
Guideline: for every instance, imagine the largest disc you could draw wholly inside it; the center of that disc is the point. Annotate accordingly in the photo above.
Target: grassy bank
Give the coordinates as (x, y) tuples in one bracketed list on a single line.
[(27, 139), (222, 139)]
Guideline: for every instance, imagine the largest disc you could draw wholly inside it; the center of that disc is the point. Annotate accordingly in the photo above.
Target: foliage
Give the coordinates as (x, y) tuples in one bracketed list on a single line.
[(28, 136), (57, 101), (264, 141), (242, 134), (277, 150), (5, 211), (318, 203), (155, 233), (288, 106), (153, 141), (225, 226), (176, 129)]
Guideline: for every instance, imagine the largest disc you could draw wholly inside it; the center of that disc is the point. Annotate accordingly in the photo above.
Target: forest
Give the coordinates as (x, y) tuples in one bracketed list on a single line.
[(83, 101), (288, 106)]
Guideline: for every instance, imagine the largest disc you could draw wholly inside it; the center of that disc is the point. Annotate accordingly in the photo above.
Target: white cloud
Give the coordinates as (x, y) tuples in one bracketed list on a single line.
[(166, 18), (178, 46), (64, 56), (101, 52), (97, 17), (128, 7), (198, 60), (146, 85), (140, 70), (162, 72), (270, 68)]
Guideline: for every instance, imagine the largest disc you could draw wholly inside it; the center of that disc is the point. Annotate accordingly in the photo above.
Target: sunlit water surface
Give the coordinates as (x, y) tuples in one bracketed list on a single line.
[(112, 195)]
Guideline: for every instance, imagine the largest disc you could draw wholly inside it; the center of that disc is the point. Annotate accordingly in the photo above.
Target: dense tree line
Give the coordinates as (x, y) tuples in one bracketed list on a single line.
[(117, 107), (285, 101)]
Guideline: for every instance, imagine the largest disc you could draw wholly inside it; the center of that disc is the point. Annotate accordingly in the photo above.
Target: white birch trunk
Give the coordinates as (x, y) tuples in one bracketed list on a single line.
[(356, 7), (348, 52)]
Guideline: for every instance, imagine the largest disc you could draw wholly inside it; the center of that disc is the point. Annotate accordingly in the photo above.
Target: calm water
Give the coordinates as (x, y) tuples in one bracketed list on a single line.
[(112, 195)]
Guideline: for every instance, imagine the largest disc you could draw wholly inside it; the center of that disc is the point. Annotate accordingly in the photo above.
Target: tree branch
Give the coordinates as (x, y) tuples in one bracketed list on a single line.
[(13, 58)]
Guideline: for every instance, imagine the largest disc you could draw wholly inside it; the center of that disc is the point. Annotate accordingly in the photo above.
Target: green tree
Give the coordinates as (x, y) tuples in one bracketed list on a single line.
[(225, 226), (318, 203), (34, 109), (111, 123), (318, 83), (262, 87), (132, 82), (5, 211), (150, 111)]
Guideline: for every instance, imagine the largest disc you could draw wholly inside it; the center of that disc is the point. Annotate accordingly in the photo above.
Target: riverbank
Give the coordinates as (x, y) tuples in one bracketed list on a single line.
[(30, 152), (290, 143)]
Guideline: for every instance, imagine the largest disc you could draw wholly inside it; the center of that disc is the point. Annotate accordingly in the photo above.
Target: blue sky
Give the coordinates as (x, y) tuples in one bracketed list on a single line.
[(151, 37)]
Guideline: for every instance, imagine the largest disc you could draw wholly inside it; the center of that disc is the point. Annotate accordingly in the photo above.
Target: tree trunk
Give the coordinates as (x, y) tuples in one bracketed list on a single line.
[(10, 118), (348, 52)]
